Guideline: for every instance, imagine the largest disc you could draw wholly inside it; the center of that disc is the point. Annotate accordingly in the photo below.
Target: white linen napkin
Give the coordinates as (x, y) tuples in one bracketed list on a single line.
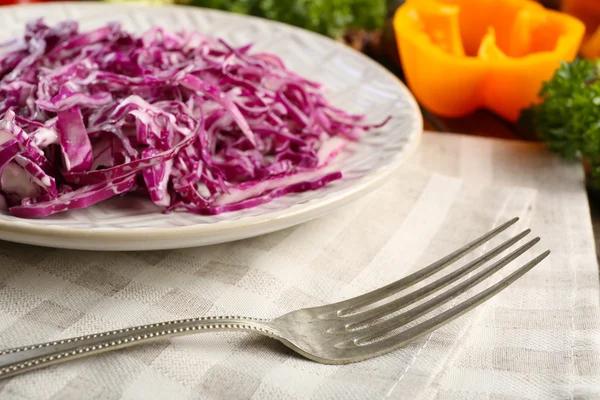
[(540, 338)]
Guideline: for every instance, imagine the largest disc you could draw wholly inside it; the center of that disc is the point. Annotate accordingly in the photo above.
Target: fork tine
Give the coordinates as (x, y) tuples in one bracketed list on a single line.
[(412, 314), (433, 287), (432, 324), (416, 277)]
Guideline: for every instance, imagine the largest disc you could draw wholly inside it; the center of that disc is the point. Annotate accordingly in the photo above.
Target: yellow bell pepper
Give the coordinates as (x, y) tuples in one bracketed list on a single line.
[(462, 55)]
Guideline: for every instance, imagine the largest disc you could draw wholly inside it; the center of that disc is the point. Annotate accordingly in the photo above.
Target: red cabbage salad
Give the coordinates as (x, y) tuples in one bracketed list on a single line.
[(184, 119)]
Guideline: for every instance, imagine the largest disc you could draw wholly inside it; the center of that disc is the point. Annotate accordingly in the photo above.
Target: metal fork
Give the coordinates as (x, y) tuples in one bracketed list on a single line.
[(339, 333)]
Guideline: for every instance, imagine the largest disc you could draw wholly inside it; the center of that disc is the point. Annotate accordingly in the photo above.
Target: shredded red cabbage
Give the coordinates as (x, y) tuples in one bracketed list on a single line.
[(190, 121)]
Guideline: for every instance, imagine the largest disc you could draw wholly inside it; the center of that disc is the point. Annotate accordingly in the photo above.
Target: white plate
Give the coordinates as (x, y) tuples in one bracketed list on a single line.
[(353, 82)]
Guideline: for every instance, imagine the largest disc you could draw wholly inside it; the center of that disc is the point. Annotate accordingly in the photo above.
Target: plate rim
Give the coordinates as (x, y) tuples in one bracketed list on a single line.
[(311, 208)]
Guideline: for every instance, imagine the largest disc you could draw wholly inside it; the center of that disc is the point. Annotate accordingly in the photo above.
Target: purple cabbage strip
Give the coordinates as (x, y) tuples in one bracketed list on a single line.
[(157, 179), (37, 175), (83, 197), (74, 140), (187, 120)]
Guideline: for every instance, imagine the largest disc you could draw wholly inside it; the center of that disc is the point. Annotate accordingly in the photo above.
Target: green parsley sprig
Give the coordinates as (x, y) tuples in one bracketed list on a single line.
[(329, 17), (568, 119)]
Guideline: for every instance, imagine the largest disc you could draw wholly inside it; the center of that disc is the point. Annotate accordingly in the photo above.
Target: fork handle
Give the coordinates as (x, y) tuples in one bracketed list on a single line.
[(24, 359)]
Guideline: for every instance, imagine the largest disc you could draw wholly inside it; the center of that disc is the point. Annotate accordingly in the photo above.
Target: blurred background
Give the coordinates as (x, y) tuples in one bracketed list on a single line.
[(335, 18)]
